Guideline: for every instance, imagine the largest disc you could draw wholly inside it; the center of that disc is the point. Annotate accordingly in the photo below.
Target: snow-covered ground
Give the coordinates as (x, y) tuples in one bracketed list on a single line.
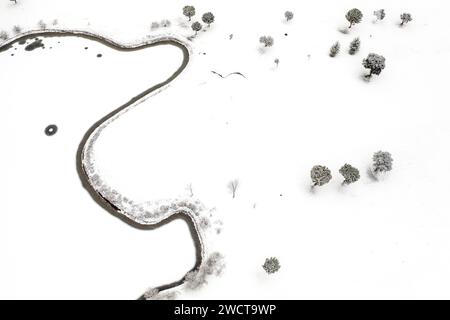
[(385, 239)]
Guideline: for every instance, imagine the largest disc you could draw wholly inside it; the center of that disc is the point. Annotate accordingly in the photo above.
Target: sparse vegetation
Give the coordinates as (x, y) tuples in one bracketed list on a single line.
[(334, 50), (354, 16), (354, 46), (189, 11), (382, 162), (375, 62), (405, 17), (266, 40), (196, 26), (320, 175), (55, 22), (350, 174), (289, 15), (380, 14), (271, 265), (208, 18)]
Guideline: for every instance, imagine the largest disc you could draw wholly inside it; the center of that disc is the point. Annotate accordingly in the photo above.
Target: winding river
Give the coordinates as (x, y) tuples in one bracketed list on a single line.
[(103, 195)]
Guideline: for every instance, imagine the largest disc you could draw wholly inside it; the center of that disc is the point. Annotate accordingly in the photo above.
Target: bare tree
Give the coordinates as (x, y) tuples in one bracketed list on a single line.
[(232, 186)]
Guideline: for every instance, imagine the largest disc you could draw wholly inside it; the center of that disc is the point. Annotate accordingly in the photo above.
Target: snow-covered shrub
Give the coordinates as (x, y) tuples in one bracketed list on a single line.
[(165, 23), (375, 62), (42, 25), (154, 25), (382, 162), (55, 22), (232, 186), (354, 16), (354, 46), (271, 265), (320, 175), (208, 18), (405, 17), (289, 15), (380, 14), (195, 279), (334, 50), (204, 223), (266, 40), (17, 29), (189, 11), (3, 35), (214, 264), (155, 294), (196, 26), (350, 174)]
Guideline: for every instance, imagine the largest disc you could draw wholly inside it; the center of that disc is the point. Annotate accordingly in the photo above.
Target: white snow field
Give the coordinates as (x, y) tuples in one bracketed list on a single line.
[(382, 239)]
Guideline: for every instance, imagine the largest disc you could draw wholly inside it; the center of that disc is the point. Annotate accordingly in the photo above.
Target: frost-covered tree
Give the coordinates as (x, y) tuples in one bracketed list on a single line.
[(350, 173), (42, 25), (154, 26), (375, 62), (320, 175), (196, 26), (17, 29), (266, 40), (380, 14), (55, 22), (189, 11), (334, 50), (15, 1), (271, 265), (289, 15), (382, 162), (354, 46), (208, 18), (165, 23), (232, 187), (354, 16), (3, 35), (405, 17), (214, 264)]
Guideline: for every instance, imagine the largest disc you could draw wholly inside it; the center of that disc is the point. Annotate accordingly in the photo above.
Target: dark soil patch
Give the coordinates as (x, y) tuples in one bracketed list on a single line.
[(22, 42), (34, 45)]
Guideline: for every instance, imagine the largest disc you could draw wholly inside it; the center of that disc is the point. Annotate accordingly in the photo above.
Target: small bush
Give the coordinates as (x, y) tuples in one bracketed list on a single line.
[(271, 265), (289, 15), (380, 14), (334, 50), (382, 162), (320, 175), (189, 11), (354, 46), (196, 26), (267, 41), (350, 174), (208, 18)]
